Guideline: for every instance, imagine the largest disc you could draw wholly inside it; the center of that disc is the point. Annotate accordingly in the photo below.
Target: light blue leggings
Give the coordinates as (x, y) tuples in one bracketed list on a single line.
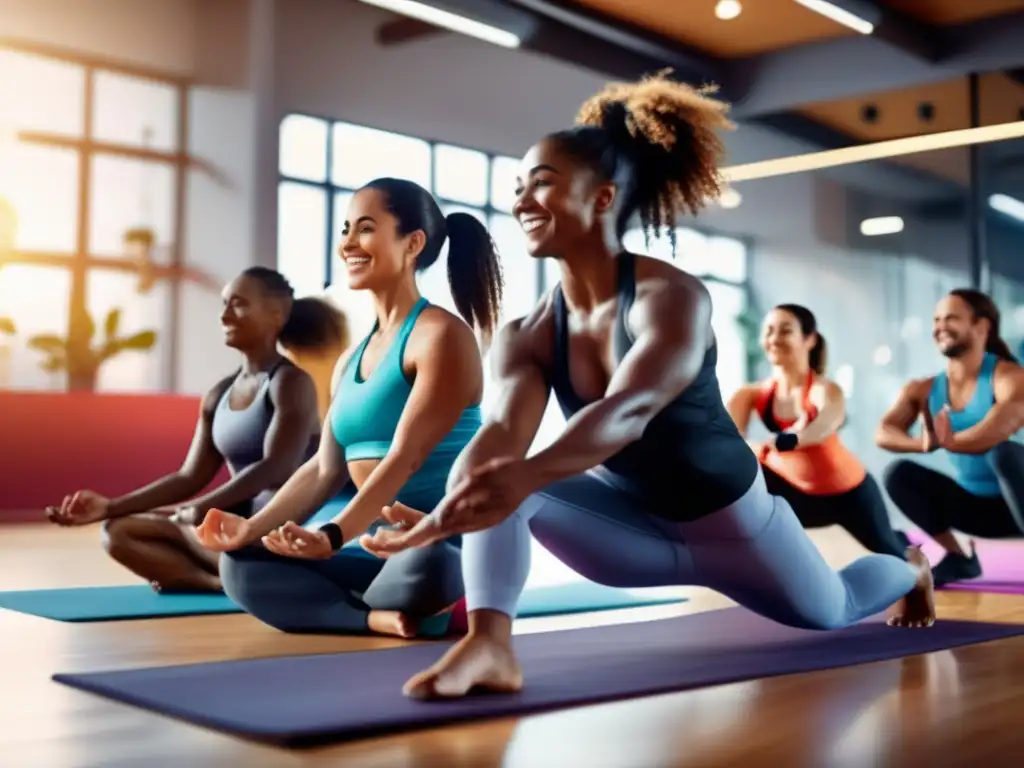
[(754, 551)]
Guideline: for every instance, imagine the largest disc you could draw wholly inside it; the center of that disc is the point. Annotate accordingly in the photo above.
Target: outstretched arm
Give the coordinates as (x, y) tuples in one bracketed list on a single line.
[(893, 433), (674, 323), (828, 398), (295, 411), (201, 465), (313, 485), (1003, 420), (523, 392)]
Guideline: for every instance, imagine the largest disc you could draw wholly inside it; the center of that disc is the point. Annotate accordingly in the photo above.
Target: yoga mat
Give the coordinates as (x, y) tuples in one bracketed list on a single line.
[(1002, 564), (302, 700), (84, 604)]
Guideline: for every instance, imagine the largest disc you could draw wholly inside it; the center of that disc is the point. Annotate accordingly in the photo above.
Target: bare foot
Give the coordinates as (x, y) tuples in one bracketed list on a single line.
[(392, 623), (474, 662), (917, 608)]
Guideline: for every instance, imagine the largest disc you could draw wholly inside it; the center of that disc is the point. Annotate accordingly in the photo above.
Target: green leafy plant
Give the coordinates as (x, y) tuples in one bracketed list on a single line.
[(81, 357)]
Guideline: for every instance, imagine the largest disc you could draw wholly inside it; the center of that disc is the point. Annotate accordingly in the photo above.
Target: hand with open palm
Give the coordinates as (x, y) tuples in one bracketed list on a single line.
[(80, 508), (223, 531)]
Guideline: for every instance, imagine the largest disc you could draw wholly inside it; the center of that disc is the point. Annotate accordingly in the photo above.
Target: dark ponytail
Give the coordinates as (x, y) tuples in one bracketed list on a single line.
[(474, 270), (314, 325), (311, 324), (474, 273), (818, 355), (983, 308), (658, 141)]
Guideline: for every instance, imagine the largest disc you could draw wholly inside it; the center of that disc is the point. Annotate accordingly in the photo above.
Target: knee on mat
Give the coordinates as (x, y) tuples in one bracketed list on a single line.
[(431, 581), (241, 581), (117, 536)]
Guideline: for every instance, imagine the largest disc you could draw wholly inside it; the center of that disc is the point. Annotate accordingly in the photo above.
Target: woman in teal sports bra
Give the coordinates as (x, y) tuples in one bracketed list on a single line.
[(407, 403)]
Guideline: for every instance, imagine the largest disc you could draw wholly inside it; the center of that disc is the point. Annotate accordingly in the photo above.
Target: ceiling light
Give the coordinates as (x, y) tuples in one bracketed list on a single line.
[(728, 9), (452, 21), (730, 198), (879, 150), (839, 15), (883, 225), (1008, 206)]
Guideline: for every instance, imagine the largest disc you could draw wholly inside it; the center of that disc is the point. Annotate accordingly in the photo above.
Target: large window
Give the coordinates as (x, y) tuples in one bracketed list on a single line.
[(92, 162), (321, 163)]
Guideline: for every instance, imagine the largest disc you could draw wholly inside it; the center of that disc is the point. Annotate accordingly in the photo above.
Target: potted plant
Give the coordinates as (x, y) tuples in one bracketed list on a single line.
[(80, 358)]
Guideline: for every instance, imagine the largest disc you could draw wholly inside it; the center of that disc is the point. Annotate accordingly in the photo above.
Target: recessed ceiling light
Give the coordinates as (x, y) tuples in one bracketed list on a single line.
[(728, 9), (883, 225), (730, 198)]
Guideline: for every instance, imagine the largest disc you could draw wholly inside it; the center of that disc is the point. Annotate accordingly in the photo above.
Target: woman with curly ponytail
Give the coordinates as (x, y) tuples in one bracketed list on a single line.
[(651, 483)]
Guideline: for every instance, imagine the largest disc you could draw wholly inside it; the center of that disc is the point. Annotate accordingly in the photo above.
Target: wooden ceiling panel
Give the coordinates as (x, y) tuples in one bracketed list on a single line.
[(948, 12), (764, 25), (1002, 101)]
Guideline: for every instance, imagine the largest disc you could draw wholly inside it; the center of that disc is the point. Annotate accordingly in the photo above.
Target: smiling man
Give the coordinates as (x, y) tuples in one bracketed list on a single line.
[(972, 410)]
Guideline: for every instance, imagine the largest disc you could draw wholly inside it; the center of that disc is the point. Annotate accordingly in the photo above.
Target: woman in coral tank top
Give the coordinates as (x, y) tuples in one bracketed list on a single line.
[(806, 463)]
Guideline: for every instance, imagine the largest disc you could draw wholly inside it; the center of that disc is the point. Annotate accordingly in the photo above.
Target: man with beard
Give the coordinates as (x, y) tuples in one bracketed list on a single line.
[(972, 410)]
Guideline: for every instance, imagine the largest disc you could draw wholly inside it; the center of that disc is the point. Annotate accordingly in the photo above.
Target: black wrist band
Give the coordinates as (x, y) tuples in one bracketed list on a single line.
[(785, 441), (333, 531)]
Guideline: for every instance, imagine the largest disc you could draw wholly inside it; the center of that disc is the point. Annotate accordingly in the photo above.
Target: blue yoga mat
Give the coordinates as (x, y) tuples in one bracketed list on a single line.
[(88, 604), (303, 700)]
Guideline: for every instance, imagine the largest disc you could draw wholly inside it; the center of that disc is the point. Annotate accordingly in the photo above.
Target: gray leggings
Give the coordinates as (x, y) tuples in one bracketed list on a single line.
[(754, 551), (335, 596)]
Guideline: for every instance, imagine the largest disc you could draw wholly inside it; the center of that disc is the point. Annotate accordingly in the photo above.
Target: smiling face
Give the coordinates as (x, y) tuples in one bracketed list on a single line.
[(375, 253), (559, 200), (782, 339), (250, 318), (955, 329)]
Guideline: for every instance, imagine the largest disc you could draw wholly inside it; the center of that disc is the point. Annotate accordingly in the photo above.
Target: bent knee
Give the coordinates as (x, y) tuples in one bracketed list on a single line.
[(118, 535), (898, 473)]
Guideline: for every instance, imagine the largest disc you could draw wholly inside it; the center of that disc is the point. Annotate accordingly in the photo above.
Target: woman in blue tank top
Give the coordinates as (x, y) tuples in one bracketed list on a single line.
[(651, 483), (407, 403), (261, 422), (972, 410)]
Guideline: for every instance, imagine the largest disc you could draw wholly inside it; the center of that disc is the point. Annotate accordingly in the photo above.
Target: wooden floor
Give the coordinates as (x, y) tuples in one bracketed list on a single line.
[(962, 707)]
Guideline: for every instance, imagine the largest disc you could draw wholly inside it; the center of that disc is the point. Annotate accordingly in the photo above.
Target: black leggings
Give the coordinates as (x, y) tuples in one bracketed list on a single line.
[(860, 511), (936, 504)]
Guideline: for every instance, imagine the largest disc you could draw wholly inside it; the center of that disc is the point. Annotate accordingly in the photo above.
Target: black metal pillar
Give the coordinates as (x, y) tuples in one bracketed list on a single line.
[(977, 207)]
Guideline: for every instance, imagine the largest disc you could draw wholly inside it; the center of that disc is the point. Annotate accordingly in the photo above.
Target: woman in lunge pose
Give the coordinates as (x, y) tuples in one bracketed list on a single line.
[(407, 403), (651, 483)]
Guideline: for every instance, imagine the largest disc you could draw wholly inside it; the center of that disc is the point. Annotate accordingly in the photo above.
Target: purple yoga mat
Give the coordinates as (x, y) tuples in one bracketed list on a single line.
[(1002, 564), (301, 700)]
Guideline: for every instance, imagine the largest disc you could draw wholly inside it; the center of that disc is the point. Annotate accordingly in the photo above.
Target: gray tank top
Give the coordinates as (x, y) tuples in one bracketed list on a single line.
[(238, 435)]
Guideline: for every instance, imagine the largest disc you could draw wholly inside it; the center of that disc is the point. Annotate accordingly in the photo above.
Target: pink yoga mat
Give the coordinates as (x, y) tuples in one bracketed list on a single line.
[(1002, 564)]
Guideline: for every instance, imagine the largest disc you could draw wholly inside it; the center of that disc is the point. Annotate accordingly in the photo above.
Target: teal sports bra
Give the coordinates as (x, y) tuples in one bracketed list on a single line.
[(365, 413)]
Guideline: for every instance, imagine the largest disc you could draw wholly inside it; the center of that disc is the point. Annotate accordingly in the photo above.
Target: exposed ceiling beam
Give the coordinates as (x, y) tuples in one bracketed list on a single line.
[(852, 66), (649, 51), (405, 30), (898, 30)]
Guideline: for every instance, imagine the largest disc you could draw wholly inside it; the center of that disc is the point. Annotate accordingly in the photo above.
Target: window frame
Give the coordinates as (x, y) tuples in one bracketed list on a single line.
[(331, 189), (80, 262)]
